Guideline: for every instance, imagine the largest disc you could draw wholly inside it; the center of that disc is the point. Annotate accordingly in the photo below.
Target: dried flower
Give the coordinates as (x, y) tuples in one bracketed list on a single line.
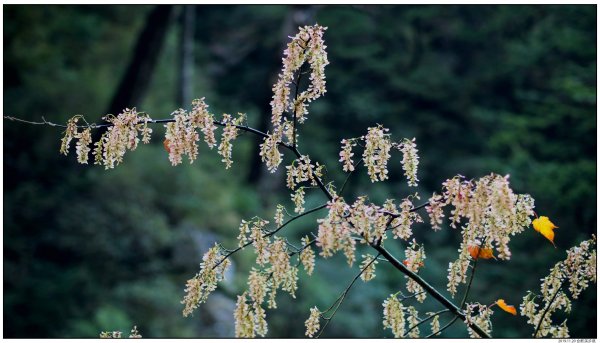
[(244, 320), (135, 333), (413, 321), (377, 152), (312, 323), (279, 215), (298, 199), (368, 267), (198, 288), (577, 270), (230, 132), (307, 256), (435, 208), (269, 152), (83, 145), (410, 161), (393, 316), (435, 324), (479, 315), (346, 154), (306, 46)]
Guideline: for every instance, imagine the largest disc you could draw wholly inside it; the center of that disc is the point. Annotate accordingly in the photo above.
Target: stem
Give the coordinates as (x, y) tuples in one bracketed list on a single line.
[(424, 321), (432, 291), (295, 123), (548, 307), (464, 299), (349, 174), (443, 328), (271, 233), (338, 302)]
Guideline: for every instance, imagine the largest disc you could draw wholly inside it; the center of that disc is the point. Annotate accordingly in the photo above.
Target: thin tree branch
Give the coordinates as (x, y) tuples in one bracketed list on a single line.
[(424, 321), (338, 302), (349, 174), (271, 233), (426, 286), (443, 328), (464, 299), (548, 307)]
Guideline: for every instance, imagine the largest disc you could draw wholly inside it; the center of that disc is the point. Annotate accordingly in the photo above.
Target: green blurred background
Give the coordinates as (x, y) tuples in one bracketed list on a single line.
[(504, 89)]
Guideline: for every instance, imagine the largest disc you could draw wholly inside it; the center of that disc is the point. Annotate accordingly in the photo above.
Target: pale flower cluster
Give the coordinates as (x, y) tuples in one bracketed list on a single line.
[(298, 199), (435, 324), (230, 133), (306, 46), (413, 322), (334, 232), (302, 170), (119, 137), (435, 209), (368, 267), (182, 136), (312, 323), (269, 152), (414, 260), (402, 223), (479, 315), (122, 135), (82, 148), (346, 154), (377, 152), (244, 318), (279, 215), (85, 139), (577, 270), (212, 270), (368, 221), (248, 228), (410, 161), (376, 155), (307, 256), (393, 316), (494, 213)]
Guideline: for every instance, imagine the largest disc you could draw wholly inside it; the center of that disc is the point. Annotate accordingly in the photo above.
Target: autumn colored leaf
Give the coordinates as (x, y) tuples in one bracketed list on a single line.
[(477, 252), (405, 262), (166, 143), (544, 226), (508, 308)]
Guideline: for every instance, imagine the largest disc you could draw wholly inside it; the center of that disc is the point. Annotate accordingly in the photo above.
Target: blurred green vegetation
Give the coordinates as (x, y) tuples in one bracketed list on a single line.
[(504, 89)]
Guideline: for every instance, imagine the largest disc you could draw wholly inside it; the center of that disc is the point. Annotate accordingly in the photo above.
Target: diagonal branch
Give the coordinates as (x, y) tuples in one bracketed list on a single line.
[(427, 287), (271, 233), (422, 321), (338, 302), (548, 307)]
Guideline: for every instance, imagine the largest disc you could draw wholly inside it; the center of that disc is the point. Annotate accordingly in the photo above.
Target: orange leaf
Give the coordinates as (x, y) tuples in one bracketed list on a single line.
[(508, 308), (405, 262), (544, 226), (166, 143), (476, 252)]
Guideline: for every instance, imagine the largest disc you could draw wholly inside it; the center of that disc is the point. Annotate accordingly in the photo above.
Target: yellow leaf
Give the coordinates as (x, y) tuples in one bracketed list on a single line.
[(544, 226), (508, 308), (485, 253)]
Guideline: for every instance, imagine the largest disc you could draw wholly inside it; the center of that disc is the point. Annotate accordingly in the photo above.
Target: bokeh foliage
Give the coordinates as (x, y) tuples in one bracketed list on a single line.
[(505, 89)]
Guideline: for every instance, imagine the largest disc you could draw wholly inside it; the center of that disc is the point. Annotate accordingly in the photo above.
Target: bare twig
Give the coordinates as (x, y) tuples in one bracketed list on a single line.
[(338, 302), (421, 321), (537, 329)]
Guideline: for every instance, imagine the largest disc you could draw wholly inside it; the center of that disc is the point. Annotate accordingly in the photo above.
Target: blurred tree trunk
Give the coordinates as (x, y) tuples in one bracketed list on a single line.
[(185, 88), (136, 79)]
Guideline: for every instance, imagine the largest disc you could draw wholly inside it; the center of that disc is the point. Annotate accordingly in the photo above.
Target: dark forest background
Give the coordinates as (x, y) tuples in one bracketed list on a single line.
[(504, 89)]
